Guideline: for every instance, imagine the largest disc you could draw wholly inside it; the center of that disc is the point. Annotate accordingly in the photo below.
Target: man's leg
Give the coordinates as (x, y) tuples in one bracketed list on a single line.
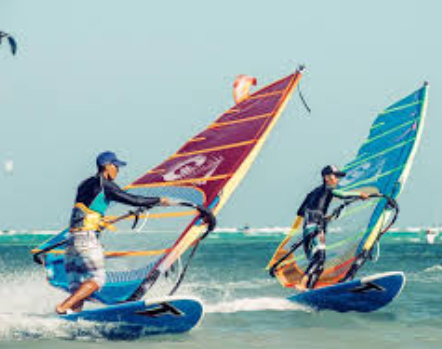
[(75, 301), (308, 238), (316, 269), (83, 263), (313, 271), (305, 280)]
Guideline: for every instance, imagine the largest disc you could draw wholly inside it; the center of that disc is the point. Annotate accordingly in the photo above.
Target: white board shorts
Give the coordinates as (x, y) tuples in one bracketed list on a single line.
[(84, 260)]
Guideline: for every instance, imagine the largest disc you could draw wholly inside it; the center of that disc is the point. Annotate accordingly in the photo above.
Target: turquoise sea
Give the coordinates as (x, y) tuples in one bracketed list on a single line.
[(245, 307)]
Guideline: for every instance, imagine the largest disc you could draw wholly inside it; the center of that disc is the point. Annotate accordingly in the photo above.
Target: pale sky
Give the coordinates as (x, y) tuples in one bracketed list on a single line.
[(142, 77)]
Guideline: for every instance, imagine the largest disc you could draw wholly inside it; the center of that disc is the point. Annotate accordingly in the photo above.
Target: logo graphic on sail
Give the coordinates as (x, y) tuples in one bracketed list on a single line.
[(367, 170), (198, 166)]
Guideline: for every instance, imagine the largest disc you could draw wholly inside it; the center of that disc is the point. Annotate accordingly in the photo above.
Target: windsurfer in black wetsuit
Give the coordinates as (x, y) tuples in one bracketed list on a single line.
[(84, 258), (313, 213)]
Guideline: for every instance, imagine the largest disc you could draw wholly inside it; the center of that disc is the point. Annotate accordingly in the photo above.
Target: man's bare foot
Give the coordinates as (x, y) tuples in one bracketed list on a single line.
[(60, 311), (74, 303)]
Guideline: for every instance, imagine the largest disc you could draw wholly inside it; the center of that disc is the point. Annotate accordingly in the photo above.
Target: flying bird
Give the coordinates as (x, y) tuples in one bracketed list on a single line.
[(11, 40)]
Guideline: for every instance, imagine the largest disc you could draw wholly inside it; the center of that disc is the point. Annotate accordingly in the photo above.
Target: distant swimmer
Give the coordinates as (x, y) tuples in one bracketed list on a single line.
[(312, 212), (11, 40), (84, 259)]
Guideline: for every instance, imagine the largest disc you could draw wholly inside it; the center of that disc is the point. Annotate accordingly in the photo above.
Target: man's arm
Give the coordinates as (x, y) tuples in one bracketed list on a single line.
[(114, 193), (345, 194), (303, 207)]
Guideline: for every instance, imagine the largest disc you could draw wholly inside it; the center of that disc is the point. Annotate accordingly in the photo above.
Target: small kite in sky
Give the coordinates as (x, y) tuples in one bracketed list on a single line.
[(242, 86), (11, 41)]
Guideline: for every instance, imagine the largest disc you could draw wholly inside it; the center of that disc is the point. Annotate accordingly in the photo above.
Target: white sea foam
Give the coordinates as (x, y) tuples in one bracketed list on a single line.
[(429, 275), (434, 268), (27, 312), (26, 305), (253, 304), (18, 326), (27, 292), (231, 285)]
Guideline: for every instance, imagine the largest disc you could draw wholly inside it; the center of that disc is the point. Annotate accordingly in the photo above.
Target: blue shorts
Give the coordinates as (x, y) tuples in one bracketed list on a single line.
[(84, 260)]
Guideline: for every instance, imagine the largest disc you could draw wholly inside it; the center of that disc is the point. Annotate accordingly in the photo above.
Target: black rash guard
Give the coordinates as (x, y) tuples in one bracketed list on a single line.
[(92, 187), (89, 189), (317, 202)]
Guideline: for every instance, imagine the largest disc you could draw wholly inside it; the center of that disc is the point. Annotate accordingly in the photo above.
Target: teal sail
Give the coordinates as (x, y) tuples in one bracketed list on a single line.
[(382, 165), (384, 160)]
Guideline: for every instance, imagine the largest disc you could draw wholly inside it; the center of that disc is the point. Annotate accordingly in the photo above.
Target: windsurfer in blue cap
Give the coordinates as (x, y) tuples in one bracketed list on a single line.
[(313, 213), (84, 258)]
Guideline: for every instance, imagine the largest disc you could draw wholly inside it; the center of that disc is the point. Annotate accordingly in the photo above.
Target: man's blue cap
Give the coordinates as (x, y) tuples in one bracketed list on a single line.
[(109, 157)]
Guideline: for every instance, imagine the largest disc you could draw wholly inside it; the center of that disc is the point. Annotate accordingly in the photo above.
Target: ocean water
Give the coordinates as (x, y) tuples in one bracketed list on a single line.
[(245, 308)]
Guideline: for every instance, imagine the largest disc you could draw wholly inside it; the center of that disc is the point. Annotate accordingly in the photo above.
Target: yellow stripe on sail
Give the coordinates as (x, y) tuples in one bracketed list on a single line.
[(115, 254), (268, 94), (207, 150), (239, 121), (160, 215), (179, 182)]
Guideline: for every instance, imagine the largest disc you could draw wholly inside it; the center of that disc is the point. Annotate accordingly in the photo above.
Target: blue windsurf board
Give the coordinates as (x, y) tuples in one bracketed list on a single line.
[(155, 316), (362, 295)]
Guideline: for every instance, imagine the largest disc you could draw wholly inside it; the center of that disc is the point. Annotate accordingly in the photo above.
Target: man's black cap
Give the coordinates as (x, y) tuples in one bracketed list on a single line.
[(332, 169)]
